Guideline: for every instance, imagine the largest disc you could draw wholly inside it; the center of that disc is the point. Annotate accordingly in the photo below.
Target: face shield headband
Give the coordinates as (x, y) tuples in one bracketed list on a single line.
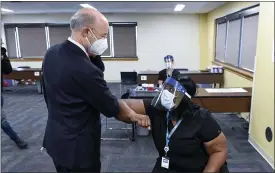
[(170, 96)]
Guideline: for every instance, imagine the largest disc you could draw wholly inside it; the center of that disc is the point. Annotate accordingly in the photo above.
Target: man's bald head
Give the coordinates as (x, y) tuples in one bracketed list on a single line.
[(86, 17), (88, 26)]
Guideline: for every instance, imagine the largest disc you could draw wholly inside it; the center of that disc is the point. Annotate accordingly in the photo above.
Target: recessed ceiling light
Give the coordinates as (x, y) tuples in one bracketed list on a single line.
[(87, 6), (6, 10), (179, 7)]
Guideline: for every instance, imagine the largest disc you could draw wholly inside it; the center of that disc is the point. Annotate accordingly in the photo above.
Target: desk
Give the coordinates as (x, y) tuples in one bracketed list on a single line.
[(216, 102), (197, 76), (34, 74)]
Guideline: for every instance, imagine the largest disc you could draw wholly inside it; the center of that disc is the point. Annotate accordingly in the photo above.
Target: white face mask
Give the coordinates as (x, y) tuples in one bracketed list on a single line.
[(168, 65), (99, 46), (167, 99)]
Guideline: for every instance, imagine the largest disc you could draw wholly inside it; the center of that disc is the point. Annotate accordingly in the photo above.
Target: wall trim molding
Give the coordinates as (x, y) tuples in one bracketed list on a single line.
[(261, 151), (113, 81), (252, 96), (238, 71)]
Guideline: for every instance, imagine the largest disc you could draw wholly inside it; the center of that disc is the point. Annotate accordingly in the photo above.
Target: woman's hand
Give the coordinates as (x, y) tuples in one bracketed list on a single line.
[(217, 150)]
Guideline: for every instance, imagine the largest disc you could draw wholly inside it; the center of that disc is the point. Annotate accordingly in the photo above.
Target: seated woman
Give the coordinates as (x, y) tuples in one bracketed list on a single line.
[(169, 71), (187, 137)]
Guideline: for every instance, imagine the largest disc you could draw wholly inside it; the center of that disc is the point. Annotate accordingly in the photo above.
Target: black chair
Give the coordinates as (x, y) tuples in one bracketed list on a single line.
[(124, 96), (127, 79)]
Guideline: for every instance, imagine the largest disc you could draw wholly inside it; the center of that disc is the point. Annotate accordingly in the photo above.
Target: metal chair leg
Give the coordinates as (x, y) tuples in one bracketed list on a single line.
[(123, 128), (118, 139), (120, 90), (106, 123)]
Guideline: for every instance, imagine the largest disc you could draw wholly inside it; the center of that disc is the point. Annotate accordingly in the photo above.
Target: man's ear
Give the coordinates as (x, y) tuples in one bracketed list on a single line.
[(85, 32)]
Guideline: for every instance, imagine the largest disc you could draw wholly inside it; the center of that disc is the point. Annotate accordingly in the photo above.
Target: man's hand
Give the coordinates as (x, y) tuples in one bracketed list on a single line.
[(142, 120), (128, 113)]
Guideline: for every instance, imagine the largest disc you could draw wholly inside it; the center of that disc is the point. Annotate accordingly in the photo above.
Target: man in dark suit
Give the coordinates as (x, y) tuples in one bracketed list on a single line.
[(6, 68), (76, 93)]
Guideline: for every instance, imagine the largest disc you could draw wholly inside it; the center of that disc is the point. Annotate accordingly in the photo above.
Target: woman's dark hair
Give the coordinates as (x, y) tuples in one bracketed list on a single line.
[(186, 106), (189, 85)]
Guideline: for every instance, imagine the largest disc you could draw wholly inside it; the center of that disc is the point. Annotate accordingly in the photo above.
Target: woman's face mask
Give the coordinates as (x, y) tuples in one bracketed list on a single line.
[(167, 99), (99, 46), (168, 65)]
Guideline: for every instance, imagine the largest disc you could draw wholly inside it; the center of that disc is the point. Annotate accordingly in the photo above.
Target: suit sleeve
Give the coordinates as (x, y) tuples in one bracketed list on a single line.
[(97, 61), (94, 90)]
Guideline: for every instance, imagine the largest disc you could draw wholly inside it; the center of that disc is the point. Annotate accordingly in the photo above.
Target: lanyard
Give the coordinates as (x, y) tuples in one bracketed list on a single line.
[(168, 135), (171, 73)]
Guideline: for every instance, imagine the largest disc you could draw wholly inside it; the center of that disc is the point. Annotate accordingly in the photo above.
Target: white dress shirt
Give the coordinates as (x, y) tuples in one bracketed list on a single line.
[(79, 45)]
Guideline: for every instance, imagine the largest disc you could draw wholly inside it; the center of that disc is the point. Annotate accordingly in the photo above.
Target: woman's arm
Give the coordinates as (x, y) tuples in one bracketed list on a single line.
[(136, 105), (133, 111), (160, 82), (217, 151), (214, 142), (132, 114), (161, 76)]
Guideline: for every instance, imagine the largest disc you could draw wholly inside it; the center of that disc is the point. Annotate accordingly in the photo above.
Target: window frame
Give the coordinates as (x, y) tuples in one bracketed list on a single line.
[(47, 29), (48, 43), (123, 24), (241, 14)]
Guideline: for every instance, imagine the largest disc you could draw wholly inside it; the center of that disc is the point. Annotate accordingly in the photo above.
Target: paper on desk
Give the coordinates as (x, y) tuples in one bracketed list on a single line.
[(225, 90)]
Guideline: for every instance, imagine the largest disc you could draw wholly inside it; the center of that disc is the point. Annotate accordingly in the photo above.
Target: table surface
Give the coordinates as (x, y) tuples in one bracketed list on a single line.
[(26, 69), (181, 72), (202, 93)]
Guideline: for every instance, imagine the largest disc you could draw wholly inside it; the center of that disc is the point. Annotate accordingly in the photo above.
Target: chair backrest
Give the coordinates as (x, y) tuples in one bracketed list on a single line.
[(128, 78), (182, 69)]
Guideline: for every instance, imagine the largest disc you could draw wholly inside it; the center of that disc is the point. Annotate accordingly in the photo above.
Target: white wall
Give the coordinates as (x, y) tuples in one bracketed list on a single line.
[(158, 35)]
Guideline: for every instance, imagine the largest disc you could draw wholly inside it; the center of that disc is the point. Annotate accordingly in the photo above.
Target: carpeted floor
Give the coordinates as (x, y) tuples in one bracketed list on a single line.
[(27, 114)]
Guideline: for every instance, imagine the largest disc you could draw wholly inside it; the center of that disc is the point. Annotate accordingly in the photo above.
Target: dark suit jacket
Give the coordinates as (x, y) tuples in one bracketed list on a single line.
[(6, 67), (98, 62), (75, 93)]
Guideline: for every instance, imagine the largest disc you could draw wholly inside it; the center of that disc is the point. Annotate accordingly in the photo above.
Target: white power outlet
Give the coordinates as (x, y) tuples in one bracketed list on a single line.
[(143, 77), (36, 74)]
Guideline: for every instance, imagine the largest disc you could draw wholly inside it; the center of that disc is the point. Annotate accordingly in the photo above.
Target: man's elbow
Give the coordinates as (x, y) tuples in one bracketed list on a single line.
[(112, 110), (113, 113)]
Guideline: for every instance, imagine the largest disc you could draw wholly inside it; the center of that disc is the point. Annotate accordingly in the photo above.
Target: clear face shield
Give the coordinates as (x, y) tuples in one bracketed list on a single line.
[(168, 64), (170, 95)]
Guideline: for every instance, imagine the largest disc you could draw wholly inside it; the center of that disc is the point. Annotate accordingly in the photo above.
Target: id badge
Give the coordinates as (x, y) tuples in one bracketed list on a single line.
[(165, 162)]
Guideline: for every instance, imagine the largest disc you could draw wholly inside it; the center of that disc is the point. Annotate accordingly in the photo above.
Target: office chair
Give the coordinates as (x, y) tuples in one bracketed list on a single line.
[(127, 79)]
